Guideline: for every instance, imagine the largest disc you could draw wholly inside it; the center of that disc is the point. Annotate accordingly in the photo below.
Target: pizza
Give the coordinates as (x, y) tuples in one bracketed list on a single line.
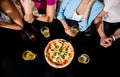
[(59, 53)]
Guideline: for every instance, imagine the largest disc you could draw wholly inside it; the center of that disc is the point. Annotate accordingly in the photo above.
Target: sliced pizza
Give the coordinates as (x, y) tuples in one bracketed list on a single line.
[(59, 53)]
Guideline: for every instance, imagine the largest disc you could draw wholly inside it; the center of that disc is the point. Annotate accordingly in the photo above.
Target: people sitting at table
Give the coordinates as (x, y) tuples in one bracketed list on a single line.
[(46, 8), (108, 23), (10, 16), (45, 16), (82, 12)]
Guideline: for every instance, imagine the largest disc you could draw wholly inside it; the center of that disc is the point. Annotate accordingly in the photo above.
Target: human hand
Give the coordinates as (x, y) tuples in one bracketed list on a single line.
[(28, 6), (106, 42), (42, 17), (68, 31)]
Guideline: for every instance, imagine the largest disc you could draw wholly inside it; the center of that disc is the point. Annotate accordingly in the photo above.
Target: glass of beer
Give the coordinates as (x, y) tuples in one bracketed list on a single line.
[(74, 30), (45, 31), (28, 55), (84, 58)]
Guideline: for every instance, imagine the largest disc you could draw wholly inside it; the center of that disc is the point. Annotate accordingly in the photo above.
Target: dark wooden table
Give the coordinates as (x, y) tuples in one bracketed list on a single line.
[(14, 43)]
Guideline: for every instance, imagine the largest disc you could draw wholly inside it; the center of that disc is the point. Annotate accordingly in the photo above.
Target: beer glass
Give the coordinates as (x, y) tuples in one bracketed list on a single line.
[(28, 55), (74, 30), (84, 58), (45, 31)]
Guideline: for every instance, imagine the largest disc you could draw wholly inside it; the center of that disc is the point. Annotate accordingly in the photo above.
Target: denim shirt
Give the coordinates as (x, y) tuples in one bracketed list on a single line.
[(68, 7)]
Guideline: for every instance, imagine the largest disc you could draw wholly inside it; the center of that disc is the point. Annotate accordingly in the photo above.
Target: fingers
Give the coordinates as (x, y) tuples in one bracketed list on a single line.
[(106, 42), (69, 32)]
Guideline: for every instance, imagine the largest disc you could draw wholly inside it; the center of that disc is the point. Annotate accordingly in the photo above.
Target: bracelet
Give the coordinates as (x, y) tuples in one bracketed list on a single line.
[(113, 37)]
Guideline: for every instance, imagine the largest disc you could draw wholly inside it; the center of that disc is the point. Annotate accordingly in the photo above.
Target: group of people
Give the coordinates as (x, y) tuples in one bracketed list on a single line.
[(104, 14)]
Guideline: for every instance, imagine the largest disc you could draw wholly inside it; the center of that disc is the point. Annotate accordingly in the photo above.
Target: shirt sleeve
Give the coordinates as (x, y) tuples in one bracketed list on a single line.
[(51, 2), (62, 8), (108, 5)]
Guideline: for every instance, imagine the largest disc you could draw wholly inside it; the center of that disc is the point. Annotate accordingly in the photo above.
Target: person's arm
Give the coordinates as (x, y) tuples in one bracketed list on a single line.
[(108, 4), (65, 25), (104, 40), (67, 28), (116, 34), (61, 16), (62, 8), (86, 14), (99, 24), (61, 11), (10, 26), (49, 16), (28, 6), (11, 11)]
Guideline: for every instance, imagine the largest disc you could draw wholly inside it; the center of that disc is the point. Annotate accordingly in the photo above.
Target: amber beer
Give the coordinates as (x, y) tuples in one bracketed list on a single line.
[(45, 31), (74, 31), (28, 55), (84, 58)]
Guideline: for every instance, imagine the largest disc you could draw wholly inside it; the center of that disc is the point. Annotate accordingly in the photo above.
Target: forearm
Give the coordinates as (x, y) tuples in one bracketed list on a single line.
[(99, 23), (49, 16), (65, 25), (100, 29), (117, 33), (86, 14), (45, 18), (29, 18), (11, 11), (10, 26)]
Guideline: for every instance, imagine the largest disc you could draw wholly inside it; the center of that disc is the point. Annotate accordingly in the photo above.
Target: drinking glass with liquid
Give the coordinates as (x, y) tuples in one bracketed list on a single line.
[(74, 30), (45, 31), (84, 58), (28, 55)]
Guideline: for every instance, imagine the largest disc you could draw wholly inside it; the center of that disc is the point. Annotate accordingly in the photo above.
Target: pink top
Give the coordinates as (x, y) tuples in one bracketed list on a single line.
[(43, 3)]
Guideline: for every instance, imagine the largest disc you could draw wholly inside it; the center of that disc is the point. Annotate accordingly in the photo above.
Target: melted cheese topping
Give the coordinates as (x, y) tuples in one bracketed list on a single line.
[(59, 51)]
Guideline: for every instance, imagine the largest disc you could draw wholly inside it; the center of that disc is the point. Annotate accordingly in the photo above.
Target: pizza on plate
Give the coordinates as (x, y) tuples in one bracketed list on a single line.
[(59, 53)]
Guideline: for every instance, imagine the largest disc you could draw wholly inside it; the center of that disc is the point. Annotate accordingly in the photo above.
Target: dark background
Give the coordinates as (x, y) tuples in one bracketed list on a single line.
[(103, 61)]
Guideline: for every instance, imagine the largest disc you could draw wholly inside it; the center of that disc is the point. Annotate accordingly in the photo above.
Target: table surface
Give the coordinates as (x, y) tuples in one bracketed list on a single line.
[(13, 45)]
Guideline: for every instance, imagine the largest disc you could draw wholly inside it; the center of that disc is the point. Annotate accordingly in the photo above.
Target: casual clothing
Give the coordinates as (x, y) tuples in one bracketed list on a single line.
[(40, 8), (112, 7), (42, 4), (77, 17), (110, 28), (68, 7), (112, 18)]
